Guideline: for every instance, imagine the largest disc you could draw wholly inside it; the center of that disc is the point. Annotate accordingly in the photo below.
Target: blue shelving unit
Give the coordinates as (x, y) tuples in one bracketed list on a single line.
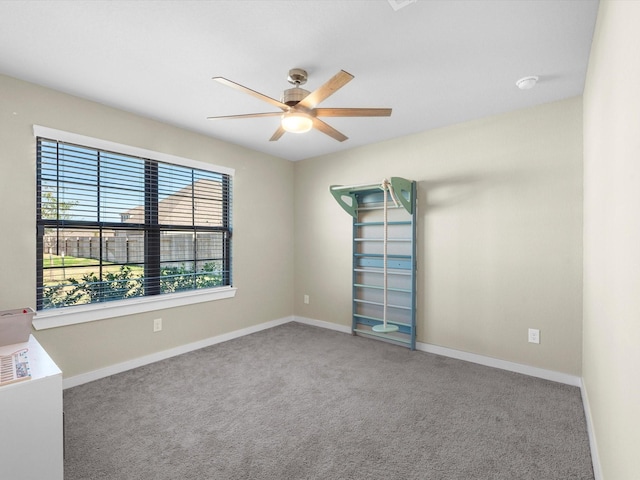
[(365, 203)]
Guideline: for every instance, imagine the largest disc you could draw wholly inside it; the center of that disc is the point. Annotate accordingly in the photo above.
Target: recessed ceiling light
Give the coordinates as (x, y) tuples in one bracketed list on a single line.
[(526, 83)]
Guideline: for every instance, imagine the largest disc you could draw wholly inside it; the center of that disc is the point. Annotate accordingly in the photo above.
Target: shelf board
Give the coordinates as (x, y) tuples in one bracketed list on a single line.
[(381, 271), (380, 304), (375, 319), (361, 239), (380, 287), (379, 224)]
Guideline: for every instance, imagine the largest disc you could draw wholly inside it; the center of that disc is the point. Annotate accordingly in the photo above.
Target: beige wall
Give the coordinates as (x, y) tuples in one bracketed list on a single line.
[(500, 233), (611, 365), (262, 222)]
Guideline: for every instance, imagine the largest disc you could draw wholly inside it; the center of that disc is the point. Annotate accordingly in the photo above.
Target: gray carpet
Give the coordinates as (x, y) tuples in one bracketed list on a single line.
[(299, 402)]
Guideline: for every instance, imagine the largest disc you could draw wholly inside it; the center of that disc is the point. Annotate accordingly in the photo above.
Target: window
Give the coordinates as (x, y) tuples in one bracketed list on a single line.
[(115, 226)]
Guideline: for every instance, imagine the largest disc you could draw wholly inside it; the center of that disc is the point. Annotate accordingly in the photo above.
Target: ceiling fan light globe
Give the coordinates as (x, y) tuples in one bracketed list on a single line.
[(296, 122)]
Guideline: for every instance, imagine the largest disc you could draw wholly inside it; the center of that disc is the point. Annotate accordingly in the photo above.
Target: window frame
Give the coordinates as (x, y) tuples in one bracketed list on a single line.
[(70, 315)]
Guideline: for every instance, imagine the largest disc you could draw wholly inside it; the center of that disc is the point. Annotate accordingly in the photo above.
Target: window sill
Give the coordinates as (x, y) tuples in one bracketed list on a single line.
[(89, 313)]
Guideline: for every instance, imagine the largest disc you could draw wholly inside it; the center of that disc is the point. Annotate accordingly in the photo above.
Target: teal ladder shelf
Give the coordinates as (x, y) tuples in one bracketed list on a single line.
[(365, 203)]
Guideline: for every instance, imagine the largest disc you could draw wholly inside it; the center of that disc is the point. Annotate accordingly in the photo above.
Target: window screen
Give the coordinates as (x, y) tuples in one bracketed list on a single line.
[(114, 226)]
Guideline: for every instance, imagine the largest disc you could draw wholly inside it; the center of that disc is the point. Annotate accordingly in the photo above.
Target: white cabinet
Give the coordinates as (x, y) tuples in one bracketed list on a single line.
[(31, 443)]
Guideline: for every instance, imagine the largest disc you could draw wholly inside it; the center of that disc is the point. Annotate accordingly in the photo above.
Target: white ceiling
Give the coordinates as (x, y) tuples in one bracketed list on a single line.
[(435, 62)]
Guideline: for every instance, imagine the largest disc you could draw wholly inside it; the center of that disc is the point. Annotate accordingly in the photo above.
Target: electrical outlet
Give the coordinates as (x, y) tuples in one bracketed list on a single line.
[(157, 324), (306, 299), (534, 335)]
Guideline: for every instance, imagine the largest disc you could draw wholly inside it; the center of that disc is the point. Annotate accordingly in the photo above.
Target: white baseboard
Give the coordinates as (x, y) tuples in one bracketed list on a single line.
[(552, 375), (322, 324), (595, 458), (172, 352)]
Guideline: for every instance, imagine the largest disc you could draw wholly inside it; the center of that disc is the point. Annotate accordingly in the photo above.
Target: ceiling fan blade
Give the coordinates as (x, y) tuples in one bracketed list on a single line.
[(277, 134), (247, 115), (336, 82), (253, 93), (328, 130), (353, 112)]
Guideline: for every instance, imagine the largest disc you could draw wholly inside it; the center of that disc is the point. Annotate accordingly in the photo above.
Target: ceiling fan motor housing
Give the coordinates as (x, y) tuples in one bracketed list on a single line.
[(292, 96)]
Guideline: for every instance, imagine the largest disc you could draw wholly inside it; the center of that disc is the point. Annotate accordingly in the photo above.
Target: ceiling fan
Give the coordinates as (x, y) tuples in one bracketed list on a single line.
[(298, 106)]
